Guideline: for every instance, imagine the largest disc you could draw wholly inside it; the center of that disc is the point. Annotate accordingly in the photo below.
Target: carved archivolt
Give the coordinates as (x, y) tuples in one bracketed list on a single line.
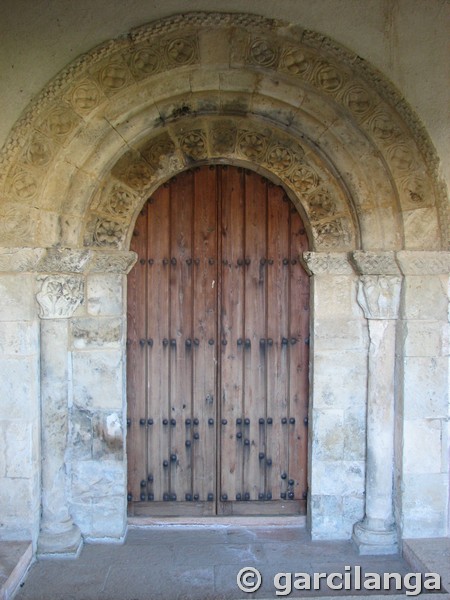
[(208, 87)]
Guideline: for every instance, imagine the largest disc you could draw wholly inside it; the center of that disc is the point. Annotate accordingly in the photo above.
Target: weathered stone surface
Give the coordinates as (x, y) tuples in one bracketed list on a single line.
[(97, 379), (340, 379), (19, 338), (426, 297), (426, 388), (337, 291), (18, 387), (423, 446), (108, 437), (96, 333), (328, 434), (339, 478), (80, 434), (18, 450), (425, 338), (104, 294), (94, 480), (16, 297), (339, 335), (425, 501)]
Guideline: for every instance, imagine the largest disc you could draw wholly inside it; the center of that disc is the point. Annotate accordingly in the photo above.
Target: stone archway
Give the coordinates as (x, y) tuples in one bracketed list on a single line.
[(190, 89)]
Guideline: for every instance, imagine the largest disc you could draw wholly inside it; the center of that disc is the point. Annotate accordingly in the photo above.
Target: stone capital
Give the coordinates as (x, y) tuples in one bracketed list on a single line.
[(379, 296), (327, 263), (60, 296)]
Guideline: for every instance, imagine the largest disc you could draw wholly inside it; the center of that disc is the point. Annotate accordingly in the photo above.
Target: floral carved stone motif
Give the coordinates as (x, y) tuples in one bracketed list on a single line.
[(166, 80), (60, 296)]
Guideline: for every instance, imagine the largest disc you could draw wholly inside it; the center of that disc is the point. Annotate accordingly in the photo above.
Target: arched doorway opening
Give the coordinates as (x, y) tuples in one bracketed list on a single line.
[(218, 334)]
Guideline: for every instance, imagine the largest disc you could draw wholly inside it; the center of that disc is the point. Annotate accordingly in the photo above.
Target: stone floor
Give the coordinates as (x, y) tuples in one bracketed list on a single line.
[(183, 562)]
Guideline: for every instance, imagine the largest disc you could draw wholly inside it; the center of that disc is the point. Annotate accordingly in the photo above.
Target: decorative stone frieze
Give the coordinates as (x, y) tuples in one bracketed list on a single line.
[(375, 263), (60, 296), (65, 260), (329, 263), (110, 89), (424, 263)]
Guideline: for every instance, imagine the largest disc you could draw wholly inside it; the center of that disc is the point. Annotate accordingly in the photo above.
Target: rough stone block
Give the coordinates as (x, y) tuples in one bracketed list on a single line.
[(334, 334), (15, 500), (426, 298), (426, 388), (97, 379), (214, 47), (104, 294), (425, 338), (109, 517), (327, 518), (336, 293), (425, 505), (355, 433), (17, 300), (108, 437), (18, 449), (19, 338), (96, 333), (3, 426), (339, 478), (92, 479), (421, 227), (19, 381), (340, 379), (80, 433), (328, 434), (422, 442)]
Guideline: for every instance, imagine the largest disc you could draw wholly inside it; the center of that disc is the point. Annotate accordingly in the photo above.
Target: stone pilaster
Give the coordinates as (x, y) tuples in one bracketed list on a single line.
[(60, 295), (379, 297)]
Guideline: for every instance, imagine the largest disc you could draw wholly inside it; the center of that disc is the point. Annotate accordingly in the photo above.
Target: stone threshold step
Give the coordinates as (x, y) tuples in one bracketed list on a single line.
[(15, 559)]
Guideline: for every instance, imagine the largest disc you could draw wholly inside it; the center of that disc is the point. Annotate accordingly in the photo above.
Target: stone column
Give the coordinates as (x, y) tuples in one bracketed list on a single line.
[(379, 297), (60, 295)]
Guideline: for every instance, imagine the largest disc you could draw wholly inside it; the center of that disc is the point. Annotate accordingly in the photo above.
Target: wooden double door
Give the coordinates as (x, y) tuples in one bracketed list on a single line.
[(217, 349)]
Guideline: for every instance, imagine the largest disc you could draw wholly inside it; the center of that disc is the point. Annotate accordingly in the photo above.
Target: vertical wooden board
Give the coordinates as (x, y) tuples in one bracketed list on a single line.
[(255, 329), (158, 331), (232, 330), (277, 327), (205, 285), (298, 358), (181, 297), (136, 362)]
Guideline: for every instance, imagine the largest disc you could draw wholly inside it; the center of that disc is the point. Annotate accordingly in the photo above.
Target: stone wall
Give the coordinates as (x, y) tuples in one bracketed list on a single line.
[(19, 408)]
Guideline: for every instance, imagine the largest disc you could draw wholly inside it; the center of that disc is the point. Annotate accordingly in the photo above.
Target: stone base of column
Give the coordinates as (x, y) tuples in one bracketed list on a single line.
[(375, 541), (68, 541)]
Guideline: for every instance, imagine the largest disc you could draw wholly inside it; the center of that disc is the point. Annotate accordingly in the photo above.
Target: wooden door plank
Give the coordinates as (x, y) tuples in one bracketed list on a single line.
[(277, 328), (205, 284), (232, 330), (255, 468), (136, 362), (298, 360), (158, 331), (181, 298)]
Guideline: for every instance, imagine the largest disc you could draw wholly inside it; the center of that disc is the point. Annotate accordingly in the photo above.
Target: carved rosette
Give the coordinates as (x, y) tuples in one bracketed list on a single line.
[(341, 79), (60, 296)]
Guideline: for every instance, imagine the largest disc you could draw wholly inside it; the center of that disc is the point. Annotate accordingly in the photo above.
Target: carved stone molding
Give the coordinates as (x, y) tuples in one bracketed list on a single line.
[(375, 263), (60, 296), (379, 296), (424, 263), (65, 260), (327, 263), (71, 106)]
